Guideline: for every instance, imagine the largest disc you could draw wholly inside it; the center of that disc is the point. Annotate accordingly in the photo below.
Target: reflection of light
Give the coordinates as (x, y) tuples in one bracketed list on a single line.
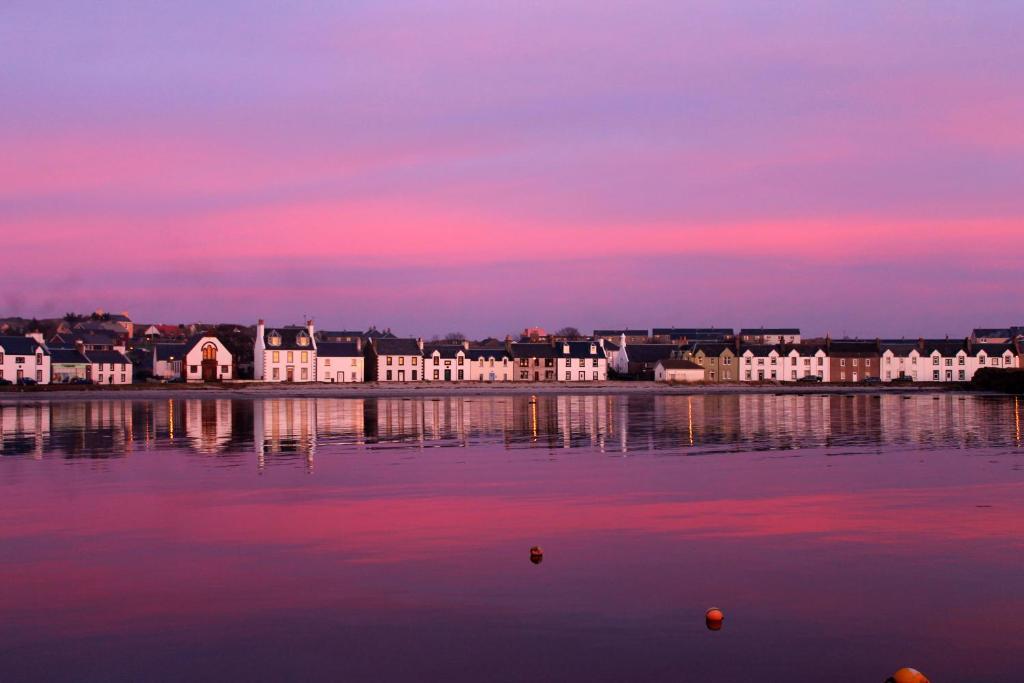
[(1016, 414), (689, 416), (533, 415), (170, 418)]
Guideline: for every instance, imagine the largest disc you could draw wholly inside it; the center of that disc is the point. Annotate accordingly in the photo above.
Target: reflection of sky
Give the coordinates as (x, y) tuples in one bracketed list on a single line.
[(832, 159), (399, 562)]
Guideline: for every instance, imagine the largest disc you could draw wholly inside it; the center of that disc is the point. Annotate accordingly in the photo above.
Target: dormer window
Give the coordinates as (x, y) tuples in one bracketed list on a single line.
[(302, 339), (273, 339)]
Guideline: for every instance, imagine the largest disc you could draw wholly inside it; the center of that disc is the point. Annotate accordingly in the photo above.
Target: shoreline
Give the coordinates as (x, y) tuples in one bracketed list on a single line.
[(411, 390)]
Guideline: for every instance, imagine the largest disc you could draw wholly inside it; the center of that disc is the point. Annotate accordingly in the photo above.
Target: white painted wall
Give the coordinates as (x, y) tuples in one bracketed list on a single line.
[(339, 369), (194, 361)]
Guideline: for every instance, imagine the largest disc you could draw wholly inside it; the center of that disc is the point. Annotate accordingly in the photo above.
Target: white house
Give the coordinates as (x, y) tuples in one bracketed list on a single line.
[(339, 361), (68, 365), (678, 370), (945, 360), (490, 365), (581, 361), (802, 360), (760, 363), (24, 358), (991, 356), (391, 359), (902, 359), (207, 359), (770, 335), (108, 367), (286, 354), (445, 362)]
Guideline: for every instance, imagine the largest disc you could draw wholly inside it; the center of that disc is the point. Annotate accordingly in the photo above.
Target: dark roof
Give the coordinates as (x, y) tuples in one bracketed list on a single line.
[(337, 349), (196, 338), (616, 333), (945, 347), (535, 350), (760, 349), (854, 348), (289, 335), (649, 353), (374, 333), (803, 349), (582, 349), (760, 331), (487, 352), (899, 347), (106, 357), (22, 346), (679, 364), (444, 350), (991, 332), (98, 337), (393, 346), (611, 346), (709, 333), (712, 348), (994, 349), (67, 356), (167, 351), (337, 335)]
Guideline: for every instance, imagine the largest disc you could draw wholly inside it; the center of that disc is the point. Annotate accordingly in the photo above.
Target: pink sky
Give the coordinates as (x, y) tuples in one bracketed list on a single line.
[(456, 166)]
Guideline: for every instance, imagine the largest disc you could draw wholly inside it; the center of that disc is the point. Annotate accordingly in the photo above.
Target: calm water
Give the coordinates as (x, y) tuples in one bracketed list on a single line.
[(388, 539)]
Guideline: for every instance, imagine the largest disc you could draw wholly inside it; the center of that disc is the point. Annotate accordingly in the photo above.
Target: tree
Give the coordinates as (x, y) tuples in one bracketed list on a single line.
[(568, 333), (455, 337)]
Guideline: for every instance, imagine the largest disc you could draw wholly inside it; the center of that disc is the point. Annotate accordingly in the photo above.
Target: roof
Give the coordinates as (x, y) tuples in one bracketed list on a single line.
[(760, 331), (945, 347), (854, 348), (991, 332), (374, 333), (582, 349), (196, 338), (611, 346), (679, 364), (106, 357), (760, 349), (713, 348), (709, 333), (393, 346), (444, 350), (289, 336), (338, 349), (804, 348), (650, 353), (487, 352), (534, 350), (22, 346), (337, 335), (899, 347), (169, 351), (617, 333), (994, 349), (68, 357), (94, 338)]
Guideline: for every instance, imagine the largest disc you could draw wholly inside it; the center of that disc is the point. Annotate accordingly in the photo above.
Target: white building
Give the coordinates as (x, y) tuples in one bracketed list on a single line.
[(108, 367), (945, 360), (581, 361), (760, 363), (490, 365), (24, 358), (391, 359), (445, 362), (207, 359), (991, 356), (770, 335), (678, 370), (167, 360), (286, 354), (803, 360), (902, 359), (339, 361)]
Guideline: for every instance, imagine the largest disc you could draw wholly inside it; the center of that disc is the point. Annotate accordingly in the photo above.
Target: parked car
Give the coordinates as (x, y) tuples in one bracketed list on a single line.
[(80, 380), (27, 382), (809, 378), (872, 380), (903, 379), (5, 382)]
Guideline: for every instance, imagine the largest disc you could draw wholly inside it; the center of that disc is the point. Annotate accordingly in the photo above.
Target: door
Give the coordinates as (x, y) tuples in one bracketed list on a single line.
[(209, 370), (949, 375), (401, 375), (289, 374), (21, 374), (341, 375), (490, 376), (447, 375), (854, 376), (760, 375)]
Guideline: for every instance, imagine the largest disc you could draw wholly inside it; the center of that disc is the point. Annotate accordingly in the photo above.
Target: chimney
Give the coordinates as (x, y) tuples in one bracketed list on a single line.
[(359, 344), (309, 328), (565, 349), (622, 340), (419, 343), (38, 336), (465, 344), (80, 346), (260, 329)]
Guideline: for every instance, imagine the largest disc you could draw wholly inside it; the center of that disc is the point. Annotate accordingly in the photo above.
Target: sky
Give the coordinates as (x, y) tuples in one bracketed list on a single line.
[(475, 166)]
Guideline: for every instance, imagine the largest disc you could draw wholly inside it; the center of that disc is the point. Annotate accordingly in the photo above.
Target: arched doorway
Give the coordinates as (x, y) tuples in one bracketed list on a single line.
[(209, 362)]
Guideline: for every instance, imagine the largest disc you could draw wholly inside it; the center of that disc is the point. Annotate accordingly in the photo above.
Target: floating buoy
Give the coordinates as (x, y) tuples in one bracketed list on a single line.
[(713, 618), (536, 554), (907, 675)]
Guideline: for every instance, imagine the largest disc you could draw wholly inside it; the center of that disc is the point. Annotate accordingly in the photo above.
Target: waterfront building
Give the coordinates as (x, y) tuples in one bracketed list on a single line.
[(24, 358), (340, 361), (286, 354), (393, 359)]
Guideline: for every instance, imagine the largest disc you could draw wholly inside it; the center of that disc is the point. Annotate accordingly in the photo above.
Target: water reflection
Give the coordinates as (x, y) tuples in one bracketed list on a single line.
[(293, 429)]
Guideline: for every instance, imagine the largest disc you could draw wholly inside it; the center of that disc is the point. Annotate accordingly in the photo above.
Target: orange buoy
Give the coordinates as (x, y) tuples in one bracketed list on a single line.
[(907, 675), (713, 618), (536, 554)]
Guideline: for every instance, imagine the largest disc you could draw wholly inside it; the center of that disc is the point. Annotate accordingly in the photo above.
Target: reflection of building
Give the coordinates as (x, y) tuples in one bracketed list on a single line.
[(208, 423)]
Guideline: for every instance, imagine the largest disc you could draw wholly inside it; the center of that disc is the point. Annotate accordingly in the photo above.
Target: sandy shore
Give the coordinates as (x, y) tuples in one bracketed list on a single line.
[(367, 390)]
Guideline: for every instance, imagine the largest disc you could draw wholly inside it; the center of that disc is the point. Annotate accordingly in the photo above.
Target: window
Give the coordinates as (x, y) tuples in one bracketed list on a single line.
[(39, 359), (291, 356), (274, 339), (568, 376), (277, 373), (981, 360), (959, 360), (414, 374), (595, 376), (305, 356), (414, 362), (949, 362), (962, 375), (727, 360), (224, 369), (842, 376), (123, 380), (995, 361), (302, 339), (774, 360), (461, 359), (389, 361), (821, 360), (277, 356), (793, 374), (760, 361), (867, 362), (460, 375), (193, 369), (327, 362), (389, 376), (855, 362), (842, 362), (935, 375), (523, 363), (401, 360), (935, 361), (20, 359), (353, 377), (209, 351)]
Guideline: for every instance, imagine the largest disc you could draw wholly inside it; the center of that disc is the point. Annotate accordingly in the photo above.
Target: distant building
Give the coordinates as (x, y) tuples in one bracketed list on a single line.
[(24, 358), (339, 336), (67, 365), (638, 360), (445, 362), (490, 364), (901, 359), (678, 370), (804, 360), (286, 354), (581, 361), (340, 361), (853, 360), (632, 336), (534, 361), (761, 363), (167, 360), (207, 359), (391, 359), (770, 335), (108, 367), (688, 335), (717, 359)]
